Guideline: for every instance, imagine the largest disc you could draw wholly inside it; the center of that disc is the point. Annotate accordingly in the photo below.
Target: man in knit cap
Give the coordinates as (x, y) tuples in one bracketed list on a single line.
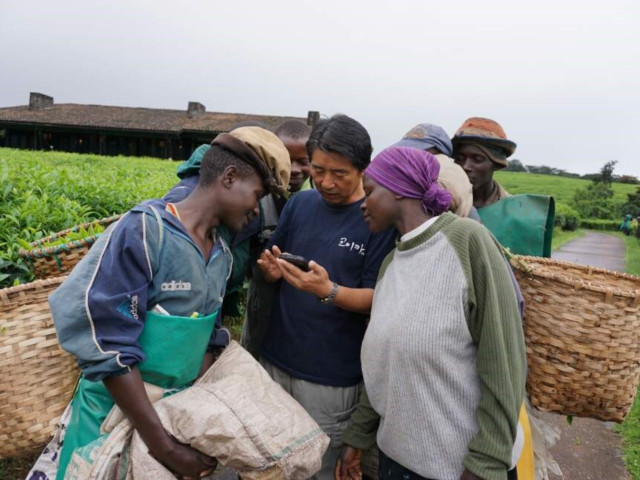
[(433, 139), (245, 244), (481, 147), (264, 143), (144, 305)]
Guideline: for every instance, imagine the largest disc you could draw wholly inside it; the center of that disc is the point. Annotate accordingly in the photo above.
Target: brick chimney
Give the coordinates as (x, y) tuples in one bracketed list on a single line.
[(39, 101), (195, 109), (312, 118)]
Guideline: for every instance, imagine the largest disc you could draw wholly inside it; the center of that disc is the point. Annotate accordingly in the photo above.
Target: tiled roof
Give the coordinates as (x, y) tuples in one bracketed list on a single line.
[(127, 118)]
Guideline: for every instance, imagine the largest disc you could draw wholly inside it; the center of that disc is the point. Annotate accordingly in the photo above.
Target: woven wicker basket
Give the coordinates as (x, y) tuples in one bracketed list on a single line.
[(60, 259), (37, 377), (582, 329)]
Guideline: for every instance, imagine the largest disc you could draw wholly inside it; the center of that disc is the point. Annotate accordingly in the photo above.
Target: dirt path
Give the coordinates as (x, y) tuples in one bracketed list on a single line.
[(589, 449), (597, 249)]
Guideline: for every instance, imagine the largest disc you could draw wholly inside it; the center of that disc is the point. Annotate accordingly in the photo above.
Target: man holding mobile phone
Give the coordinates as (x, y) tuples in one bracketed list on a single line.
[(312, 344)]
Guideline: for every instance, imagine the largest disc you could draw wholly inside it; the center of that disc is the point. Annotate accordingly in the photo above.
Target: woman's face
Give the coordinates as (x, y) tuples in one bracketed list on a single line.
[(478, 167), (380, 206)]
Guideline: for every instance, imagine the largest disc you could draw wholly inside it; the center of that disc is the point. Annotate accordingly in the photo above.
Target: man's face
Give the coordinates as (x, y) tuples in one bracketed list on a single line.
[(335, 177), (300, 164), (380, 206), (478, 167), (241, 202)]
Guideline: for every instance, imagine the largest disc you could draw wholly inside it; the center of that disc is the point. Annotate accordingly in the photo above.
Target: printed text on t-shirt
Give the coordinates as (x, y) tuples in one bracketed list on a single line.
[(345, 243)]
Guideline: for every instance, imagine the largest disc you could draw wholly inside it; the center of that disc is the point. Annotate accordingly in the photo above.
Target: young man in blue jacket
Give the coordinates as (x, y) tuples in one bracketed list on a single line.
[(142, 305)]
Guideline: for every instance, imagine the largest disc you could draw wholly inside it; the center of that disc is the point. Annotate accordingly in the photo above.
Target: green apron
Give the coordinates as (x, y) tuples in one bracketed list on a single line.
[(174, 347), (522, 223)]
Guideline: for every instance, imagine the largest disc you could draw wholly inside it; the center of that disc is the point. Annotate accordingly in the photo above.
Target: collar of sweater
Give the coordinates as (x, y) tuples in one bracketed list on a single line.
[(419, 229), (445, 219)]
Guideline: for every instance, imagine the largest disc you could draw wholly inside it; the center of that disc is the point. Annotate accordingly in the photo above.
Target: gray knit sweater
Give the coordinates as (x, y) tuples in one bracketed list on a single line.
[(443, 357)]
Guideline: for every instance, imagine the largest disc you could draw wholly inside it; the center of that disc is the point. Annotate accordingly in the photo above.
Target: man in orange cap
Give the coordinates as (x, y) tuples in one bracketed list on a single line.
[(481, 147)]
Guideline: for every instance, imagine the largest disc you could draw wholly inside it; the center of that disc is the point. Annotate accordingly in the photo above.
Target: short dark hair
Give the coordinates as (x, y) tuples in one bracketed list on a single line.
[(216, 160), (343, 135), (293, 129)]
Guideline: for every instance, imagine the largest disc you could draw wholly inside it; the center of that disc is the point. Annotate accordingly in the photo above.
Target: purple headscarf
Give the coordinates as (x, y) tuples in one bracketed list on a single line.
[(411, 173)]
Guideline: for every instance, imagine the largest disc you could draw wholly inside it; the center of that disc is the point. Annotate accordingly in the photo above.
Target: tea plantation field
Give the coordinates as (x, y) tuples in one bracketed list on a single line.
[(45, 192), (561, 188)]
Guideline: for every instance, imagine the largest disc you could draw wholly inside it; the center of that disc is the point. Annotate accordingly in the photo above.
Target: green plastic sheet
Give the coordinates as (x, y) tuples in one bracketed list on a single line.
[(174, 346), (522, 223)]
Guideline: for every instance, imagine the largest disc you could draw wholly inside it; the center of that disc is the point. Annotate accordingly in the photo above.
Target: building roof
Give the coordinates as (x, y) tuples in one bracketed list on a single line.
[(139, 119)]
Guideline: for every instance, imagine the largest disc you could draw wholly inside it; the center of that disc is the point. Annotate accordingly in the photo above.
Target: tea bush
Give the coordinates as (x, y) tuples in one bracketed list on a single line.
[(599, 224), (566, 217), (44, 192)]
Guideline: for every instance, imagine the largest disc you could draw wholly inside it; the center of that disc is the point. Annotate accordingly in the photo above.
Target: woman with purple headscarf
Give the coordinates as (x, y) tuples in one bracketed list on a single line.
[(443, 357)]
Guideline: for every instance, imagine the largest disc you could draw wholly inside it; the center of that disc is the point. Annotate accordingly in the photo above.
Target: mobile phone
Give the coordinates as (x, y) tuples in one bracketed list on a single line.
[(300, 262)]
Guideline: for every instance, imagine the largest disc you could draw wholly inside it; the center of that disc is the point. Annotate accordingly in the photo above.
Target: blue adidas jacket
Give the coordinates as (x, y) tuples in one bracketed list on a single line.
[(145, 259)]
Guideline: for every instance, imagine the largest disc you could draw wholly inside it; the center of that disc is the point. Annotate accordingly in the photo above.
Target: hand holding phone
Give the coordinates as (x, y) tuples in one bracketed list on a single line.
[(300, 262)]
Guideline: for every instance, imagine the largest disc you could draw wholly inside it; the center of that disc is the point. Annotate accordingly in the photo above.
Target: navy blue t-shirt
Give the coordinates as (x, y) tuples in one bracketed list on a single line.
[(305, 338)]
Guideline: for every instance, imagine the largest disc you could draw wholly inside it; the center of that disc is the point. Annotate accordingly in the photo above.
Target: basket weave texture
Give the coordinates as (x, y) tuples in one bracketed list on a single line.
[(37, 377), (582, 329), (60, 259)]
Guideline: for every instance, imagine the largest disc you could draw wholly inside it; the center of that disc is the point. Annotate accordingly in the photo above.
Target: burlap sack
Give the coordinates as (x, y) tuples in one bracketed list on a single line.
[(106, 458), (234, 413), (238, 415)]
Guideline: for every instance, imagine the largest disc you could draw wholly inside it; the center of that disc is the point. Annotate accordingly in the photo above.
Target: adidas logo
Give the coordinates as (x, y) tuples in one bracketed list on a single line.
[(174, 286)]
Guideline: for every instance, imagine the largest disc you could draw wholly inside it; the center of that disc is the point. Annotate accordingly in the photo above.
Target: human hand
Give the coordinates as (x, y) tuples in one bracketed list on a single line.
[(467, 475), (183, 460), (315, 281), (348, 465), (269, 266)]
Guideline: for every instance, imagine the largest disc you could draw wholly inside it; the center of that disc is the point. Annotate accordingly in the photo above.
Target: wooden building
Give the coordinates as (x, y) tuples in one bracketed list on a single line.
[(106, 130)]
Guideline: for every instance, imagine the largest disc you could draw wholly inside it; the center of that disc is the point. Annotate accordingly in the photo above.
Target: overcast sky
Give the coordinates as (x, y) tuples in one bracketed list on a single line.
[(563, 78)]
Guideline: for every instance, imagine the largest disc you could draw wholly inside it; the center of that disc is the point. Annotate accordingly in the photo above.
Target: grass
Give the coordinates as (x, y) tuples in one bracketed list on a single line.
[(630, 428), (16, 468), (633, 253), (561, 188), (560, 237), (630, 431)]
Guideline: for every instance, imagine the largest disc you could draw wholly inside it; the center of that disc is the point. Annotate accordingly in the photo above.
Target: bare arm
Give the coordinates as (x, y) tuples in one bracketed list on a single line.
[(357, 300)]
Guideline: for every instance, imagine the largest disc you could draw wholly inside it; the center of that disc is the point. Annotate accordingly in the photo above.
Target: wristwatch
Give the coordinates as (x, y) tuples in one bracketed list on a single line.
[(332, 295)]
